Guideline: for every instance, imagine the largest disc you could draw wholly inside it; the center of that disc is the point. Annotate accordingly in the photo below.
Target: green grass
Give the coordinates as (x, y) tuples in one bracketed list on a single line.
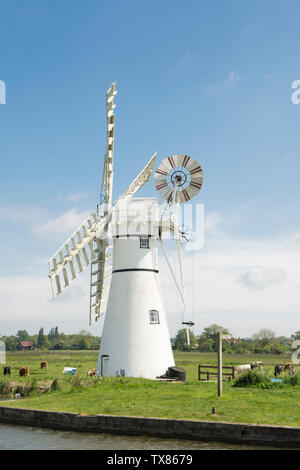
[(140, 397)]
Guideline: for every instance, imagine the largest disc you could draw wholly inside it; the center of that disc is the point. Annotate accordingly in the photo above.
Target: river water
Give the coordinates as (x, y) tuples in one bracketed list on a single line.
[(15, 437)]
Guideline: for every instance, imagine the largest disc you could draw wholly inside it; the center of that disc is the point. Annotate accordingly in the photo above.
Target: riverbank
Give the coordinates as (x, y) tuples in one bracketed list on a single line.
[(21, 437), (125, 396), (236, 433)]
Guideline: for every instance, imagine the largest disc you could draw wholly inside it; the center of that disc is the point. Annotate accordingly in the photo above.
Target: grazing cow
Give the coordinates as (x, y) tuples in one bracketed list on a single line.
[(256, 364), (91, 372), (278, 369), (6, 370), (242, 368), (44, 365), (289, 366), (24, 372)]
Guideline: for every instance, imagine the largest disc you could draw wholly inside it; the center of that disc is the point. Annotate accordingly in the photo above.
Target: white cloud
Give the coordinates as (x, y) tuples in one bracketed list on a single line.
[(26, 303), (41, 221), (212, 222), (21, 214), (258, 277), (228, 83), (63, 225), (73, 197)]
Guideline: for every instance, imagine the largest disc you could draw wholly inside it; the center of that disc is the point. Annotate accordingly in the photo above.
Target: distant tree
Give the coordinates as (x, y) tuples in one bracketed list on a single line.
[(61, 342), (95, 342), (59, 345), (214, 329), (79, 343), (277, 348), (10, 342), (22, 335), (284, 340), (83, 344), (53, 336), (205, 344), (41, 338), (207, 341), (263, 337), (180, 341), (84, 333), (244, 346), (46, 343)]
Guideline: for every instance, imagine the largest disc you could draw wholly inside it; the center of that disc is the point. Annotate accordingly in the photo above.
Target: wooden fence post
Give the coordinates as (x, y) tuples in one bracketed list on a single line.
[(220, 365)]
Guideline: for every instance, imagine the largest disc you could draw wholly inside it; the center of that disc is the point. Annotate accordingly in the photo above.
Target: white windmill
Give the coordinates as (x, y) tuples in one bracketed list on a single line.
[(120, 243)]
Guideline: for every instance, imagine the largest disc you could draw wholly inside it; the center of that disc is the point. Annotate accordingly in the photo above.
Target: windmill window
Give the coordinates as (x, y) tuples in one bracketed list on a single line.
[(154, 317), (144, 242)]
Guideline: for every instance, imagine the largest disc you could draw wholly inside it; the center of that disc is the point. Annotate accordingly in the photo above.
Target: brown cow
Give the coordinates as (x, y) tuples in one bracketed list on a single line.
[(44, 365), (278, 369), (289, 366), (91, 372), (24, 372)]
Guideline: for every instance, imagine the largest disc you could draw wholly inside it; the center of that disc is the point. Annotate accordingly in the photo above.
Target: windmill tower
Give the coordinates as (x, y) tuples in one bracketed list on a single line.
[(120, 243)]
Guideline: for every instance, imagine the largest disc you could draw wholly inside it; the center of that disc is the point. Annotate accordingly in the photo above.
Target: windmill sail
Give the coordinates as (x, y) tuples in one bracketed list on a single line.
[(74, 255), (107, 178), (100, 269), (140, 180), (84, 245)]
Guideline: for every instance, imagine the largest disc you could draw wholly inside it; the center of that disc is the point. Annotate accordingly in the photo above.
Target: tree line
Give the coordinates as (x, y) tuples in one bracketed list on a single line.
[(264, 341), (53, 340)]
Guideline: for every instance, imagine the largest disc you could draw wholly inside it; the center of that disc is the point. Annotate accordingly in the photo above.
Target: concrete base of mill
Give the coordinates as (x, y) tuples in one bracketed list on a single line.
[(239, 433)]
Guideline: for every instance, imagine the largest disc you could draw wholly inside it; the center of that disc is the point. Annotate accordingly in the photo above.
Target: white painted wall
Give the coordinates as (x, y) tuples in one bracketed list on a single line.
[(132, 343)]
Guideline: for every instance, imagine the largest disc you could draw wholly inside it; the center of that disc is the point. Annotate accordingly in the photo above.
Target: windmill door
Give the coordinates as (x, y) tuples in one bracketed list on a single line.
[(104, 365)]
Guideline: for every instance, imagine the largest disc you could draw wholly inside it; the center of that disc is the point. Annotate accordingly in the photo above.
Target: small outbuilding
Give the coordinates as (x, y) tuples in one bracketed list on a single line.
[(26, 346)]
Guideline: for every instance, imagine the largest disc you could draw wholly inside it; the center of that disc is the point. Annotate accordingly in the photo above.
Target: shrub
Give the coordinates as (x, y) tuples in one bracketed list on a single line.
[(292, 380), (29, 388), (4, 388), (269, 385), (24, 389), (249, 378), (55, 385), (76, 381)]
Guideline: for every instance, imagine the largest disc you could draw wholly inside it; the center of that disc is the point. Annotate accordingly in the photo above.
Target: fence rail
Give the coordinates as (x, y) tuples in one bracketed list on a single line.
[(202, 370)]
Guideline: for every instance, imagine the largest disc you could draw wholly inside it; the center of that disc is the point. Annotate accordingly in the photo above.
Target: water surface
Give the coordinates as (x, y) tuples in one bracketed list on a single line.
[(15, 437)]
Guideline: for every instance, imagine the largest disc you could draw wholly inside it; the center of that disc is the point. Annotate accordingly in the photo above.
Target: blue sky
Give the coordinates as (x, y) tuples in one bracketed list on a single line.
[(207, 78)]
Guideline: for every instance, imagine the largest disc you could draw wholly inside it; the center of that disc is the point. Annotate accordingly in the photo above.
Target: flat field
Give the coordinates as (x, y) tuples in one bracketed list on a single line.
[(141, 397)]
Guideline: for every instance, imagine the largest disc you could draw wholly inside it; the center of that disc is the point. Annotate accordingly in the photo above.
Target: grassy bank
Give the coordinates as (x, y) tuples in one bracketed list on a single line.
[(140, 397)]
